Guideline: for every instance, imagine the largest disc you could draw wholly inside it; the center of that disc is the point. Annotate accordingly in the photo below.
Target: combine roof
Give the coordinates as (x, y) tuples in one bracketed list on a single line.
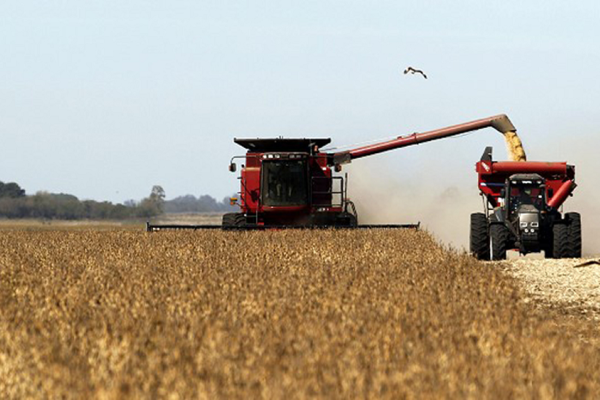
[(280, 144)]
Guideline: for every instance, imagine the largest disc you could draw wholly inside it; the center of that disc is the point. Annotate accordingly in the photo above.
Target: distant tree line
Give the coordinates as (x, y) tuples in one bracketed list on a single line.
[(15, 203), (192, 204)]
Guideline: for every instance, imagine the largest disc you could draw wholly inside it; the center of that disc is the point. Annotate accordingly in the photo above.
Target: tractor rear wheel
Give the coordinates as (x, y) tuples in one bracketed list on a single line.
[(480, 236), (574, 234), (499, 241), (560, 241), (234, 220)]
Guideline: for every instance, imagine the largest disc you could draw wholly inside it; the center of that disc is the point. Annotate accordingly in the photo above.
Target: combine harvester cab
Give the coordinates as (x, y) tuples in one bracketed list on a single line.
[(289, 183), (522, 204)]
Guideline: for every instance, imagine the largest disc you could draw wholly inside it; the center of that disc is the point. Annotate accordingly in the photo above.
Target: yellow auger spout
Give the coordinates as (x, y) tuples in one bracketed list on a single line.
[(502, 124)]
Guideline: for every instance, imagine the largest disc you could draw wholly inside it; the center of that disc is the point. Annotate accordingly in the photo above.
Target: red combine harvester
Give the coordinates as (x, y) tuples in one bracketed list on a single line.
[(290, 183), (522, 202)]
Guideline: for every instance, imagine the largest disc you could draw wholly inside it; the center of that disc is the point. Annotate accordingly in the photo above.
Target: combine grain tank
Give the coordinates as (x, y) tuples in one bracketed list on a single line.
[(522, 202)]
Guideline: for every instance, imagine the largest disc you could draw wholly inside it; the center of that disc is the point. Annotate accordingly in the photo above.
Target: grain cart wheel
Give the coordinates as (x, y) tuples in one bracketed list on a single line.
[(574, 234), (499, 239), (233, 219), (560, 241), (480, 237)]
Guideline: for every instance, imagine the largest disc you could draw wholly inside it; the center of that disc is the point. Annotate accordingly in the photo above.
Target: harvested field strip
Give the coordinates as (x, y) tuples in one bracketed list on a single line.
[(337, 314), (569, 285)]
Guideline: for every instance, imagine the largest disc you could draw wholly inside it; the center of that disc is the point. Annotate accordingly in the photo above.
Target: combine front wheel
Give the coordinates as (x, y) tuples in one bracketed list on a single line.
[(480, 237), (234, 220)]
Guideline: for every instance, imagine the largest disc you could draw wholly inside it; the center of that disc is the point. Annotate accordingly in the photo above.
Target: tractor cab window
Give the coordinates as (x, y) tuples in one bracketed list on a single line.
[(526, 194), (284, 183)]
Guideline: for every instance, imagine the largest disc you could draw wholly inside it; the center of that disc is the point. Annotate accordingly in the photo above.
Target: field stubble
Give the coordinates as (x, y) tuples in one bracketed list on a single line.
[(337, 314)]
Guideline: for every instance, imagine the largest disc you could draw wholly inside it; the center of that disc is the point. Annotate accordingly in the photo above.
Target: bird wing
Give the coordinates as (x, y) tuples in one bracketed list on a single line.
[(421, 72)]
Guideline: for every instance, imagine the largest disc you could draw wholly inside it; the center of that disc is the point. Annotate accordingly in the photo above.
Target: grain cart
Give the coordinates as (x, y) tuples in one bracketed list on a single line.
[(287, 183), (522, 202)]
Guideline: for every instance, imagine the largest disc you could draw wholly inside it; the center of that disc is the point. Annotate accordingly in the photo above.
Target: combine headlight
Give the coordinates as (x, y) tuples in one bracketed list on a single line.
[(523, 225), (535, 224)]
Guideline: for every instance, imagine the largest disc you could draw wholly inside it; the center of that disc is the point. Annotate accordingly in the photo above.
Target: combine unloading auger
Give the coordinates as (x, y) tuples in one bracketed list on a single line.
[(499, 122), (289, 183)]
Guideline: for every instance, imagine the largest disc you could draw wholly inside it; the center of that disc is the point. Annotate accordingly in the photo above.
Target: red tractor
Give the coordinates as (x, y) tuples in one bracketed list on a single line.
[(289, 182), (522, 203)]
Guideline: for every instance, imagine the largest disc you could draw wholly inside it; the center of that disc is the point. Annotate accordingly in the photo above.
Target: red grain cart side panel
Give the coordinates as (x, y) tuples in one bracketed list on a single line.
[(559, 178)]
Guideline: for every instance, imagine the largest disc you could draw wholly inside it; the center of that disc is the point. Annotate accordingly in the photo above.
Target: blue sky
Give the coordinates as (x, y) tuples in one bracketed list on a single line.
[(104, 99)]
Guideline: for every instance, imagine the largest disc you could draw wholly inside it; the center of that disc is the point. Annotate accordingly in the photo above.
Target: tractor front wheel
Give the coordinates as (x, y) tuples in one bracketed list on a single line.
[(499, 241), (560, 241)]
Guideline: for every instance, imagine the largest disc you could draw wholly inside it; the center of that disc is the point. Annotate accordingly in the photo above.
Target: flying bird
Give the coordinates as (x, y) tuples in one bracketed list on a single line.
[(414, 71)]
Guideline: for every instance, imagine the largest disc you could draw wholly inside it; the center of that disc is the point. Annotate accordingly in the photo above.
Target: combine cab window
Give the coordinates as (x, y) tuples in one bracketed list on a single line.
[(284, 183)]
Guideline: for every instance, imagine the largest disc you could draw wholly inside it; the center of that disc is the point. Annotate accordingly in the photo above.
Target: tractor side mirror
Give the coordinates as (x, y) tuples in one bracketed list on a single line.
[(232, 167)]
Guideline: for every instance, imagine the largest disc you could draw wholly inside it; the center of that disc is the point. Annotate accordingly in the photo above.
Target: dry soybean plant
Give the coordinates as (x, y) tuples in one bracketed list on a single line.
[(282, 314)]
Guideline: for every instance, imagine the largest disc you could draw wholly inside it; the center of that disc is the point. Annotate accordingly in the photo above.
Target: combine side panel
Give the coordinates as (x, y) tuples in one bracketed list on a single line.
[(250, 190)]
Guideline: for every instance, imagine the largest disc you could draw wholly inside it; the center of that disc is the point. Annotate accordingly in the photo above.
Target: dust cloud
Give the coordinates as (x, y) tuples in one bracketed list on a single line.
[(442, 208), (443, 212)]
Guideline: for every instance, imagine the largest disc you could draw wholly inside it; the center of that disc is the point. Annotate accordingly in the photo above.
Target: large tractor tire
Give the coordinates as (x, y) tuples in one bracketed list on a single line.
[(574, 234), (233, 220), (499, 241), (480, 237), (560, 241)]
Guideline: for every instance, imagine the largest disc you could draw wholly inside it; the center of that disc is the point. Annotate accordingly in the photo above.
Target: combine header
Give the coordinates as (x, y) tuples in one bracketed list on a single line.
[(289, 183), (522, 202)]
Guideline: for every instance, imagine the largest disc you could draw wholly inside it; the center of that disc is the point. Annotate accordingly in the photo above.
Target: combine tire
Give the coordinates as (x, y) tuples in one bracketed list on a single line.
[(574, 234), (499, 240), (234, 220), (480, 237), (347, 219), (560, 241)]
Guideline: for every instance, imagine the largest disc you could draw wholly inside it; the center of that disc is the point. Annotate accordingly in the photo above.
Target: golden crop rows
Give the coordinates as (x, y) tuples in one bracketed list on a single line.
[(284, 314)]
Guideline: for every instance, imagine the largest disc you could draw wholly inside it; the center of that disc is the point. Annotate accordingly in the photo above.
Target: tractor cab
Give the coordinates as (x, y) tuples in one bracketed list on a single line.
[(525, 190), (525, 200)]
